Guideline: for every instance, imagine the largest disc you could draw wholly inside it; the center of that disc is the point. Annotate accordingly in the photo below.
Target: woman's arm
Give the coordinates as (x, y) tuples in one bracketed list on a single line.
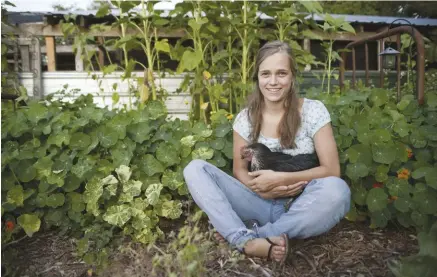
[(240, 165), (283, 184)]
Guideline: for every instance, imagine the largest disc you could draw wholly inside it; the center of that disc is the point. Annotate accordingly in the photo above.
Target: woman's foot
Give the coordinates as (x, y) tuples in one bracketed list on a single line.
[(274, 248)]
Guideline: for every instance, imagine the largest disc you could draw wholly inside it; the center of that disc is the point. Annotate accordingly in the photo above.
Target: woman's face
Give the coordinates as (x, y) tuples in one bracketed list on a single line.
[(274, 77)]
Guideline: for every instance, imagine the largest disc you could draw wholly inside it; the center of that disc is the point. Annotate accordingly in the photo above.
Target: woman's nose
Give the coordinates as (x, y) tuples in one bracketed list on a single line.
[(273, 79)]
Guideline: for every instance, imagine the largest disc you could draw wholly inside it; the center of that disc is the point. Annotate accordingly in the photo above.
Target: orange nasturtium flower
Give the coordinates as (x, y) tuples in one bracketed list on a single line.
[(410, 153), (403, 174), (206, 75), (9, 226), (230, 116)]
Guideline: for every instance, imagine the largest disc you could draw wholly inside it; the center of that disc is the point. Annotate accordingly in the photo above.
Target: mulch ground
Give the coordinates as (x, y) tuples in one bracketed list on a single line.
[(349, 249)]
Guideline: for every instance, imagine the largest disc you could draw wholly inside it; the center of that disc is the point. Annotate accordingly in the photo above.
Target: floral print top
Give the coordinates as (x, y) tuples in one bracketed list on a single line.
[(314, 116)]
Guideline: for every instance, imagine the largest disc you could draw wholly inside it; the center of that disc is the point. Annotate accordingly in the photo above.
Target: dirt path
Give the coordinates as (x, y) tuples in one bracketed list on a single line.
[(349, 249)]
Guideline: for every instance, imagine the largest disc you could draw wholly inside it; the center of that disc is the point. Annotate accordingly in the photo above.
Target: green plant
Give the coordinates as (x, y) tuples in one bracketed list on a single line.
[(388, 153), (332, 26), (424, 263), (67, 165)]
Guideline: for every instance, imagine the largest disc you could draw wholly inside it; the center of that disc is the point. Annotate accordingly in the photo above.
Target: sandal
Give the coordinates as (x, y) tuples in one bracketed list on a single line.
[(287, 248)]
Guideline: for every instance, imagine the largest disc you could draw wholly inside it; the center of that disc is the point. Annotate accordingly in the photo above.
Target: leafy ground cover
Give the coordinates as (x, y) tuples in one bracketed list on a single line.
[(349, 249)]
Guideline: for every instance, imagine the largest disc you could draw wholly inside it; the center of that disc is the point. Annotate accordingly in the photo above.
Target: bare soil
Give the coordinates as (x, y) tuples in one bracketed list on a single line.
[(349, 249)]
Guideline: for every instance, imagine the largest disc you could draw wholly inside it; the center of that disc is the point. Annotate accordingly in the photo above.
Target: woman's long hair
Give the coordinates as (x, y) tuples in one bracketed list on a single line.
[(290, 122)]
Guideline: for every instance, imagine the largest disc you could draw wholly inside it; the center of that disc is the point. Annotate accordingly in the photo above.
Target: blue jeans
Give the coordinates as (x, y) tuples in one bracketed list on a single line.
[(227, 203)]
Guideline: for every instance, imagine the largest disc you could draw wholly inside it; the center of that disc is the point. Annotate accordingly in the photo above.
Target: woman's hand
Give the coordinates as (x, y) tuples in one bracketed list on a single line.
[(264, 180), (284, 191)]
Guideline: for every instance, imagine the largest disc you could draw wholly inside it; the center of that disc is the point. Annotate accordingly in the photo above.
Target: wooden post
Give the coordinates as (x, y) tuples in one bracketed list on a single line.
[(101, 54), (51, 53), (78, 61)]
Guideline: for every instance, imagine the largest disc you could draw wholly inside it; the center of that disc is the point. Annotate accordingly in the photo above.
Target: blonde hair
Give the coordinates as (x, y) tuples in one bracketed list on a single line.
[(290, 121)]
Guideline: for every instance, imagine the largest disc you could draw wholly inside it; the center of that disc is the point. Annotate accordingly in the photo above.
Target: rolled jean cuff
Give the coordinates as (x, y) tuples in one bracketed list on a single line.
[(241, 237)]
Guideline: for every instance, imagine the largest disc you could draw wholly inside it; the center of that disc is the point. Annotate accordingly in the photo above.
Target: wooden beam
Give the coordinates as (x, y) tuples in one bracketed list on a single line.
[(78, 60), (41, 29), (51, 53), (101, 54)]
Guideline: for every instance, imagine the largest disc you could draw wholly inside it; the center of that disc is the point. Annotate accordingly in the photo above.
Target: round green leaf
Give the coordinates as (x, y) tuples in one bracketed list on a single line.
[(167, 154), (30, 223), (402, 204), (25, 171), (202, 130), (376, 199), (139, 132), (359, 195), (426, 202), (15, 196), (380, 218), (357, 170), (153, 192), (172, 180), (222, 130), (36, 112), (117, 215), (381, 135), (417, 140), (398, 187), (55, 200), (203, 153), (79, 141), (384, 153), (150, 165), (107, 136), (217, 144)]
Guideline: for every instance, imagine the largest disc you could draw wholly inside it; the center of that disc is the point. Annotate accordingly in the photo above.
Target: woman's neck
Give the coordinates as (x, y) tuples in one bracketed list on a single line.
[(274, 108)]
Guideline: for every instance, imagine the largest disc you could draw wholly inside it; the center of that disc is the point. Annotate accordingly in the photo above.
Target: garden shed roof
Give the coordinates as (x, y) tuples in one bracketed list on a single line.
[(28, 17)]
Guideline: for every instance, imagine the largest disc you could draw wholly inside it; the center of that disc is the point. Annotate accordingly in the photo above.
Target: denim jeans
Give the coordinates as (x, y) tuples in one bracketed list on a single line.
[(227, 203)]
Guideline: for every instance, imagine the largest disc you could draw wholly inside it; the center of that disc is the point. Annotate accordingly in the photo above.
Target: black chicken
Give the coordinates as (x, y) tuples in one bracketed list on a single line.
[(261, 157)]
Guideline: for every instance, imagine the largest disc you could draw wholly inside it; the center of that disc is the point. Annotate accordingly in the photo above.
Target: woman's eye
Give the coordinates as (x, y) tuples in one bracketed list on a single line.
[(264, 74), (282, 73)]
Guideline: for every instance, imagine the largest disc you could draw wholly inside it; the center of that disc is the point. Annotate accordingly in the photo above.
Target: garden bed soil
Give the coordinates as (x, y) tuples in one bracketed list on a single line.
[(349, 249)]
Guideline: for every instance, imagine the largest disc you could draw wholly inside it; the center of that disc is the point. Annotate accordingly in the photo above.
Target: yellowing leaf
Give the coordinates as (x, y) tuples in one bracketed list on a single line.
[(204, 105)]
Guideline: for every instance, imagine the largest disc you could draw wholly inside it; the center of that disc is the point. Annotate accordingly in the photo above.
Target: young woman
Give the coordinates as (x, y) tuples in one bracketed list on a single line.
[(276, 117)]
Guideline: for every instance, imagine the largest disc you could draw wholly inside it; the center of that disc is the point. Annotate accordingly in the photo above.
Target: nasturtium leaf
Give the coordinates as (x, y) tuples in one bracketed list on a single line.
[(117, 215), (107, 136), (111, 189), (149, 165), (398, 187), (156, 109), (44, 166), (357, 170), (60, 138), (364, 136), (25, 171), (36, 112), (419, 219), (123, 173), (82, 166), (376, 199), (404, 219), (132, 188), (153, 192), (402, 204), (201, 144), (202, 130), (359, 194), (57, 179), (403, 104), (185, 151), (426, 202), (228, 150), (141, 221), (41, 200), (379, 97), (217, 144), (222, 130), (167, 154), (91, 113), (138, 206), (350, 154), (139, 132), (109, 180), (384, 153), (417, 140), (380, 218), (188, 141), (381, 173), (202, 153), (429, 132), (420, 187), (402, 128), (76, 202), (172, 180), (55, 200), (218, 159), (171, 209), (72, 182), (421, 172), (79, 141), (30, 223), (15, 196), (381, 135)]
